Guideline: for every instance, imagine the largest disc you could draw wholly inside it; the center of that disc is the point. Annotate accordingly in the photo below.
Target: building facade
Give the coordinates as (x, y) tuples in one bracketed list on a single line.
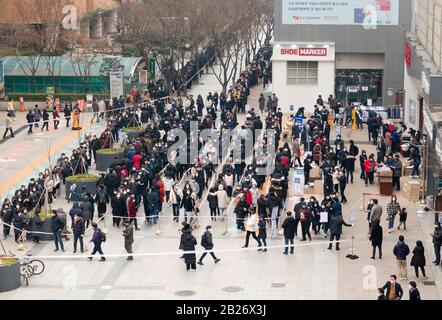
[(352, 50), (423, 94)]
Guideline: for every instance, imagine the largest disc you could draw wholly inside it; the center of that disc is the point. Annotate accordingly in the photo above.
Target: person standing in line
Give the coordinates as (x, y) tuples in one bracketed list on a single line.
[(401, 251), (289, 233), (262, 102), (212, 198), (207, 244), (251, 227), (37, 115), (188, 244), (222, 200), (336, 224), (342, 186), (30, 117), (128, 234), (414, 292), (437, 242), (175, 200), (67, 114), (45, 120), (402, 219), (56, 118), (262, 235), (8, 122), (393, 208), (305, 218), (97, 239), (57, 225), (132, 210), (418, 259), (78, 230), (397, 171), (376, 237), (394, 289)]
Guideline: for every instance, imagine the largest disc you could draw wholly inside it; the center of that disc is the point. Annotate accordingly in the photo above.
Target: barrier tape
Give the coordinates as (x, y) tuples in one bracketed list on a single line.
[(179, 253)]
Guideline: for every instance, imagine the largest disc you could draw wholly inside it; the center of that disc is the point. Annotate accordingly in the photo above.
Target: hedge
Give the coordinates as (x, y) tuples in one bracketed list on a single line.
[(82, 178)]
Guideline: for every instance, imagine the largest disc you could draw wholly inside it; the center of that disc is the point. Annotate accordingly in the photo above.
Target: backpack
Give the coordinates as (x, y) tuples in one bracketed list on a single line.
[(102, 236), (371, 165)]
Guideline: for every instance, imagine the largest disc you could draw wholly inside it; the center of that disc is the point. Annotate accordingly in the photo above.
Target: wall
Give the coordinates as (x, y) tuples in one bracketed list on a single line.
[(360, 61), (355, 39), (413, 89), (302, 96)]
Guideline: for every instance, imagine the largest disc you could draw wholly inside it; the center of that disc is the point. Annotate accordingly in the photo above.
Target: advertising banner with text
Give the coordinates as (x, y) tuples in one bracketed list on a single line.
[(351, 12)]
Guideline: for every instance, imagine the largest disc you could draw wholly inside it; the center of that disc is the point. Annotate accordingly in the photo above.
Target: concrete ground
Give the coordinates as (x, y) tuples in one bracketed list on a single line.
[(313, 272)]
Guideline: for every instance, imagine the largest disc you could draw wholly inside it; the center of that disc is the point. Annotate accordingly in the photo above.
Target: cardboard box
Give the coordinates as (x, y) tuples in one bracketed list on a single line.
[(309, 190), (319, 187)]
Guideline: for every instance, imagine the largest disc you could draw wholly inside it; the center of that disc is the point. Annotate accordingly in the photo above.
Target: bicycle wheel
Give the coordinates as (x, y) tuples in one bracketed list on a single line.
[(37, 266), (26, 270)]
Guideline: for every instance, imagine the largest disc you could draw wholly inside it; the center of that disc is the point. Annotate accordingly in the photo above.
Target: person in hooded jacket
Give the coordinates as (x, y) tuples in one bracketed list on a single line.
[(78, 230), (76, 209), (418, 259), (212, 198), (188, 244), (86, 210)]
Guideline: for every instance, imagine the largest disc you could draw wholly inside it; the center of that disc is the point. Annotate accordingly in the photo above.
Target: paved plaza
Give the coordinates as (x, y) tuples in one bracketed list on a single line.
[(313, 272)]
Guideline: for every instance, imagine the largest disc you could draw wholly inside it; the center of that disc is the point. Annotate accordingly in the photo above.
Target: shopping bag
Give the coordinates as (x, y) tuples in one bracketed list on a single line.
[(324, 217)]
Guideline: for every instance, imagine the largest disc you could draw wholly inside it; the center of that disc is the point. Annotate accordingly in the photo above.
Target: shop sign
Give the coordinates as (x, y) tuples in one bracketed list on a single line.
[(407, 54), (304, 52)]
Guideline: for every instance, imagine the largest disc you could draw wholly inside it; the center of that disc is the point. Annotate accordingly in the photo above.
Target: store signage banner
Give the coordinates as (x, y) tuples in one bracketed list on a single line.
[(351, 12), (303, 52)]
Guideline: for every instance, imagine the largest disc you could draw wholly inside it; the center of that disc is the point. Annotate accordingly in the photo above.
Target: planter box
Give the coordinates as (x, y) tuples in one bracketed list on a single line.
[(45, 227), (105, 160), (133, 134), (10, 277), (90, 187)]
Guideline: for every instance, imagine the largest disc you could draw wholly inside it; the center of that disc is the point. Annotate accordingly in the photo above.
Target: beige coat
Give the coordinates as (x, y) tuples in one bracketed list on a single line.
[(296, 149)]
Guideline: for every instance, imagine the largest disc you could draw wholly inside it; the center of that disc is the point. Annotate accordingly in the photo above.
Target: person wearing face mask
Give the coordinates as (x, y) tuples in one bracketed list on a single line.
[(118, 209), (437, 242), (394, 289), (362, 158), (393, 208), (413, 292), (315, 214), (17, 222), (132, 210)]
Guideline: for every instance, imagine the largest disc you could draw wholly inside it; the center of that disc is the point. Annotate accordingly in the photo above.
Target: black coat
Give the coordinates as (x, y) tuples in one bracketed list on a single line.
[(398, 289), (78, 228), (418, 259), (57, 224), (188, 244), (262, 230), (376, 236), (414, 294), (206, 241), (213, 200), (336, 225), (289, 226)]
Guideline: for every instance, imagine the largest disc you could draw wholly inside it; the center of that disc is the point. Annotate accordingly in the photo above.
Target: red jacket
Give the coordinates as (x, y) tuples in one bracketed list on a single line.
[(367, 165), (131, 209), (162, 192), (137, 161), (249, 197), (285, 161)]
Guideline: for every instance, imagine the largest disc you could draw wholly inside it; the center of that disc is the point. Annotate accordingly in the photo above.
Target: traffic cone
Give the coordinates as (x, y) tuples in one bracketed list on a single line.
[(22, 104)]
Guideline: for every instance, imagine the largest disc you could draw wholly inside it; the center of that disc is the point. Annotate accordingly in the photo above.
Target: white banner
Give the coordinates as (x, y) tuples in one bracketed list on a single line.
[(116, 84), (351, 12)]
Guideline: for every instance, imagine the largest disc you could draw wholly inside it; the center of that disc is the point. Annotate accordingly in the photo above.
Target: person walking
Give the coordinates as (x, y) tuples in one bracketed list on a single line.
[(394, 289), (128, 234), (376, 237), (401, 251), (132, 208), (56, 118), (188, 244), (262, 235), (418, 259), (251, 224), (393, 208), (78, 230), (8, 122), (261, 101), (97, 239), (336, 224), (207, 244), (437, 242), (30, 118), (289, 226), (37, 115), (67, 114), (402, 219), (45, 120), (57, 226), (413, 292)]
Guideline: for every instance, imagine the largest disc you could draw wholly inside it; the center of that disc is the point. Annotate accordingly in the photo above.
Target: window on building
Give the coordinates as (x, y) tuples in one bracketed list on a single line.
[(302, 73)]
